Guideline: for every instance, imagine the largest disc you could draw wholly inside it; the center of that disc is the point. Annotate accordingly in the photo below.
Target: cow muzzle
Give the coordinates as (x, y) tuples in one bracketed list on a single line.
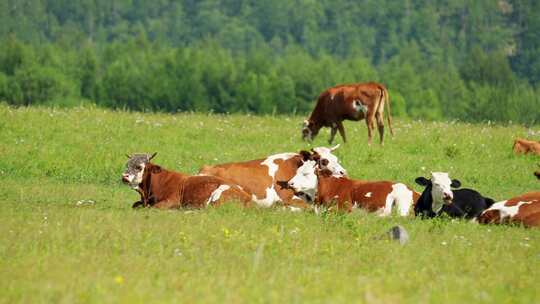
[(447, 198), (126, 178)]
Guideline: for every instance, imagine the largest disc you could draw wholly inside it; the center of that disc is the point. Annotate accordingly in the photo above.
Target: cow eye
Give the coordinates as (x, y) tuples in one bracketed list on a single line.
[(139, 167)]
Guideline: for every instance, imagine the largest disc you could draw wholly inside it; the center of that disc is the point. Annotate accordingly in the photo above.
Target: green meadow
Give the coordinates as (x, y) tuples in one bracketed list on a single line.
[(69, 234)]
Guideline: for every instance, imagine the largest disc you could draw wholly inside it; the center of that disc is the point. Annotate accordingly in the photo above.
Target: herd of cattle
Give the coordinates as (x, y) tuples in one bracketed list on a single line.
[(316, 180)]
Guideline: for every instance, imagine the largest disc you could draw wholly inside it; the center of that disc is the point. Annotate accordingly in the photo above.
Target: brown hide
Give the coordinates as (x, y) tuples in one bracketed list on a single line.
[(337, 103), (161, 188), (344, 192), (253, 177), (527, 215), (524, 146)]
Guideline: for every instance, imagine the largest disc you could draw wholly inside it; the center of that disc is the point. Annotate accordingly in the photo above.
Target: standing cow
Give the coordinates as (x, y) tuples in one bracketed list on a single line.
[(165, 189), (261, 177), (349, 102)]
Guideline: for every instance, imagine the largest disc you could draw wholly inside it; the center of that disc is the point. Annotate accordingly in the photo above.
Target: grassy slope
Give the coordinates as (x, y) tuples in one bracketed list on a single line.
[(54, 250)]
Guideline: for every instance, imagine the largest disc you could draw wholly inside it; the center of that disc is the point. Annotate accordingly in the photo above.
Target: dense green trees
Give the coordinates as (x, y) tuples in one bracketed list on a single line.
[(468, 60)]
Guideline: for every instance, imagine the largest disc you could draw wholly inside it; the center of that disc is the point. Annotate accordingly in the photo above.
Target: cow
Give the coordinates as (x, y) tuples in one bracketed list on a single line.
[(523, 210), (438, 198), (324, 189), (165, 189), (524, 146), (349, 102), (260, 177)]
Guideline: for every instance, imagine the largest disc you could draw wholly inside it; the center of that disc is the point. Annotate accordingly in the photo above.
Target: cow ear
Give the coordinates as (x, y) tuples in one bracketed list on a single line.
[(422, 181), (455, 183), (156, 169), (305, 155)]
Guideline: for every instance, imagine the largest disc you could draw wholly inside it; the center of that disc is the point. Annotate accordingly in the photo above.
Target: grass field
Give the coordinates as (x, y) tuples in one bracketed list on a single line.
[(69, 234)]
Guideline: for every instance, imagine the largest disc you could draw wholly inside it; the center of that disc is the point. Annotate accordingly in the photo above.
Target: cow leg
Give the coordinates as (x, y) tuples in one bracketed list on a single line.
[(332, 134), (380, 126), (369, 124), (296, 204), (166, 205), (342, 131)]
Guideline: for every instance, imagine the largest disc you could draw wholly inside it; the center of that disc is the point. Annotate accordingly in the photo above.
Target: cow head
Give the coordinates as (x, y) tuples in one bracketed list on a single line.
[(320, 161), (305, 179), (326, 160), (440, 188), (135, 168), (309, 131)]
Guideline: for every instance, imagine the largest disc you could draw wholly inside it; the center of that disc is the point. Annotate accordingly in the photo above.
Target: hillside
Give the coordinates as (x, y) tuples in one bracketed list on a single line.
[(473, 61)]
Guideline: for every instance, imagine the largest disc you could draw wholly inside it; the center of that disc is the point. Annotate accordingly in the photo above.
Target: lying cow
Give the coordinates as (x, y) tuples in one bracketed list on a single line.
[(438, 198), (523, 209), (164, 189), (324, 189), (348, 102), (524, 146), (260, 177)]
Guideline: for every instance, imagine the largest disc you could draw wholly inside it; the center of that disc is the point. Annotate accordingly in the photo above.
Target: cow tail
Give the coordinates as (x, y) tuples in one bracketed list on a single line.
[(387, 102)]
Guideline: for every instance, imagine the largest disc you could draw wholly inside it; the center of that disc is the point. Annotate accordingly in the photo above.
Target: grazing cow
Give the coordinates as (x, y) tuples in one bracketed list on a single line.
[(524, 146), (523, 209), (438, 198), (260, 177), (325, 189), (349, 102), (164, 189)]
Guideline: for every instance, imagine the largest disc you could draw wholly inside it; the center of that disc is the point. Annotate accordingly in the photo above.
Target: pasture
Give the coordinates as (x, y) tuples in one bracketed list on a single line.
[(69, 233)]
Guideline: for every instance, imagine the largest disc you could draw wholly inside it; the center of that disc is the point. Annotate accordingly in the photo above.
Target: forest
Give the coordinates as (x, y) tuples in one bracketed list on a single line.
[(441, 60)]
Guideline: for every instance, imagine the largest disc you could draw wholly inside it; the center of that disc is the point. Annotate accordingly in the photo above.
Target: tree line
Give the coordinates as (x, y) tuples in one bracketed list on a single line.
[(465, 60)]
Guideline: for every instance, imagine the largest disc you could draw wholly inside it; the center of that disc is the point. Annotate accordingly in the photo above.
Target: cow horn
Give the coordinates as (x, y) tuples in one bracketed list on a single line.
[(153, 155), (128, 156), (335, 147)]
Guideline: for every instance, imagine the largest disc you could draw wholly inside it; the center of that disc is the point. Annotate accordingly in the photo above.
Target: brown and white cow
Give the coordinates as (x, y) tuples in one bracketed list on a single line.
[(325, 189), (523, 209), (349, 102), (524, 146), (260, 177), (165, 189)]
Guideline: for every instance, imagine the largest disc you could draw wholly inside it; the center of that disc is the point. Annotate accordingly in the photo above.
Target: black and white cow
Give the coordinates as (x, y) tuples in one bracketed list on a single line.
[(438, 198)]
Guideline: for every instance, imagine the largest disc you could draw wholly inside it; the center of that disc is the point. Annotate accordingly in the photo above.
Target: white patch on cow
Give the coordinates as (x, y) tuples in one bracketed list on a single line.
[(272, 166), (216, 194), (269, 199), (333, 162), (400, 197), (440, 187), (355, 205), (271, 195), (368, 194), (359, 106), (507, 211)]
